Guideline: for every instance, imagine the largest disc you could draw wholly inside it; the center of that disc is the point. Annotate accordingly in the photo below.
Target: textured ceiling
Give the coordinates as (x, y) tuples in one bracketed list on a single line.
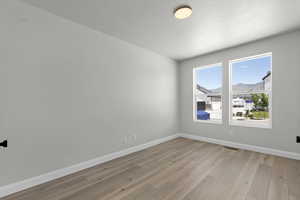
[(214, 24)]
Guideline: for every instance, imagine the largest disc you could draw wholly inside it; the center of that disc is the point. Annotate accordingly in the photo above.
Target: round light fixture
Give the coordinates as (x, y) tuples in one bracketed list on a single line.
[(183, 12)]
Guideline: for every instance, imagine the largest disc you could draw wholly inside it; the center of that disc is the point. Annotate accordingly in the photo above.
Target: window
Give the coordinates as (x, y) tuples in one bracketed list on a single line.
[(251, 91), (207, 93)]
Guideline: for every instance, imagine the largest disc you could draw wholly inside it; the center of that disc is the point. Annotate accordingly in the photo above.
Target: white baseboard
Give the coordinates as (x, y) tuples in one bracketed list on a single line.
[(28, 183), (259, 149)]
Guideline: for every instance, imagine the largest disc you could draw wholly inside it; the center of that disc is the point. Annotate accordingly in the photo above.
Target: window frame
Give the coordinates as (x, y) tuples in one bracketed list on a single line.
[(214, 121), (250, 123)]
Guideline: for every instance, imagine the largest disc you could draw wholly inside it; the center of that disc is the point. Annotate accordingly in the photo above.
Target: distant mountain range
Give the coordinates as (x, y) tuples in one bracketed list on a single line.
[(241, 88), (248, 88)]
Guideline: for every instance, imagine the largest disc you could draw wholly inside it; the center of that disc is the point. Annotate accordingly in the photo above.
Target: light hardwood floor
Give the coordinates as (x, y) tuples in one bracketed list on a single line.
[(180, 169)]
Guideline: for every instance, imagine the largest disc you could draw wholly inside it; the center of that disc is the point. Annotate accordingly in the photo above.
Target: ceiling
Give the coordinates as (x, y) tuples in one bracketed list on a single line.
[(214, 24)]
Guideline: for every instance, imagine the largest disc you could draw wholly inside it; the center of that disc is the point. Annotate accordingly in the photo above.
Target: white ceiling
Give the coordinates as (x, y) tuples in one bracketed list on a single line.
[(214, 25)]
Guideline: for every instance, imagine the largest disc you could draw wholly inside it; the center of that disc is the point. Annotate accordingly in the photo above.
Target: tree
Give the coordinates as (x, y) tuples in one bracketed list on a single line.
[(260, 101), (264, 101), (255, 98)]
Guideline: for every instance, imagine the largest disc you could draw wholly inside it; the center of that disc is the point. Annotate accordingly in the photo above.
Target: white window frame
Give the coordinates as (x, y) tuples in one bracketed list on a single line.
[(214, 121), (249, 123)]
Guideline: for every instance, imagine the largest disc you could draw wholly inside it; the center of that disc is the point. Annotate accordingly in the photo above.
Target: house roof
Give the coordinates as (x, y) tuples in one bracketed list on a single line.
[(207, 91), (266, 76), (203, 89)]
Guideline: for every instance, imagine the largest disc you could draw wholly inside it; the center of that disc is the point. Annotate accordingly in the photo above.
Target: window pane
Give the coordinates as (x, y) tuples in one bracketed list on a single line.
[(208, 93), (251, 90)]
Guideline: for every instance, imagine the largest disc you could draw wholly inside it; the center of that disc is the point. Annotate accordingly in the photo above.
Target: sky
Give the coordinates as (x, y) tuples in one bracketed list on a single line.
[(247, 72), (210, 78), (251, 71)]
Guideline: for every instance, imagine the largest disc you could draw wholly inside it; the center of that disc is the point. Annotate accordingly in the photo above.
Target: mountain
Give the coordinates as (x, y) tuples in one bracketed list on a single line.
[(243, 88), (248, 88)]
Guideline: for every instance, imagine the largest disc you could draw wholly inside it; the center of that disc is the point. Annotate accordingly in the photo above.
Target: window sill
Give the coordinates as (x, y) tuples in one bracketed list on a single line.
[(266, 125), (209, 121)]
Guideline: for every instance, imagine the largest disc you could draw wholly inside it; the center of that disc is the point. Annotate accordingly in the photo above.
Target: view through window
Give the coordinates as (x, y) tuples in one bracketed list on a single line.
[(208, 93), (250, 91)]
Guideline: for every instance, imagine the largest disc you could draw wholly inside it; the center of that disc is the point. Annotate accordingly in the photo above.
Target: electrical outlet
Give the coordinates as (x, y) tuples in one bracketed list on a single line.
[(3, 144), (297, 139)]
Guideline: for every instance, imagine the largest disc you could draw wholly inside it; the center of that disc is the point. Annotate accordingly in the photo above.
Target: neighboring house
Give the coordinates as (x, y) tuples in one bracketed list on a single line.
[(202, 97), (243, 102), (241, 105), (209, 101), (238, 106)]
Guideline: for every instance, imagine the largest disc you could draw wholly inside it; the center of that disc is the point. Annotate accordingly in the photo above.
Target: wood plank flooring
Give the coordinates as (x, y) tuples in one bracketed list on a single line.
[(180, 169)]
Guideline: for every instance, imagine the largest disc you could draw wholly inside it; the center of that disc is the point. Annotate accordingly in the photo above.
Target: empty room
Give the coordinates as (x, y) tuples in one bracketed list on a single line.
[(150, 100)]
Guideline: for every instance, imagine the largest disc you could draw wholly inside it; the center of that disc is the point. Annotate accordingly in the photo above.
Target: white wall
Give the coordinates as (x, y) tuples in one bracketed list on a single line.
[(286, 95), (70, 94)]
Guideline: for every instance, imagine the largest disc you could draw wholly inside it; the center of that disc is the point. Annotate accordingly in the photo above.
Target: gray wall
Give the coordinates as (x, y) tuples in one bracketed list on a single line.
[(286, 95), (70, 94)]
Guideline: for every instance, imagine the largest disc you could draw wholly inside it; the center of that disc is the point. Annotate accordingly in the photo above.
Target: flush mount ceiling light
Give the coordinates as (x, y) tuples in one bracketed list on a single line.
[(183, 12)]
